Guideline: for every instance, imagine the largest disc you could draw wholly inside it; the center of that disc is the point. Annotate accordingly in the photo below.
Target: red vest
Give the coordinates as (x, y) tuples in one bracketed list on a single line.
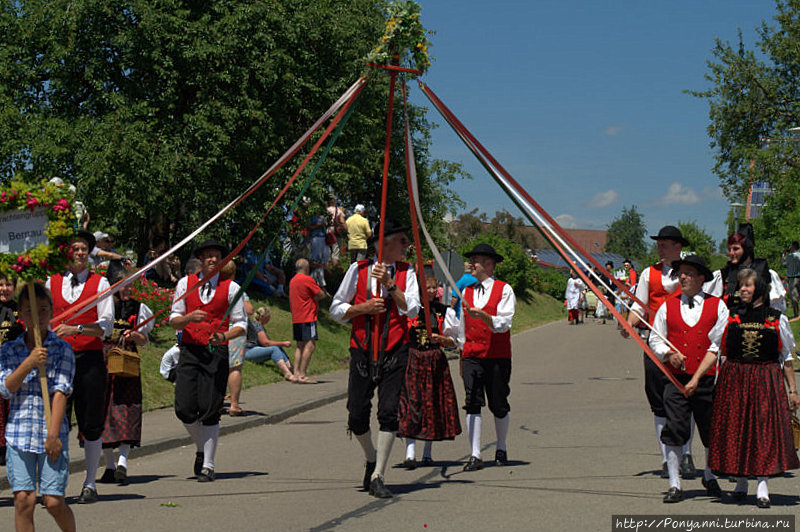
[(693, 342), (398, 325), (656, 293), (200, 333), (481, 342), (78, 342)]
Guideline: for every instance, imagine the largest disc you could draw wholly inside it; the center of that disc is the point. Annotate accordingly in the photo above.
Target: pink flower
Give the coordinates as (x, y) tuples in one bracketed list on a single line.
[(32, 203), (61, 205), (16, 267), (43, 263)]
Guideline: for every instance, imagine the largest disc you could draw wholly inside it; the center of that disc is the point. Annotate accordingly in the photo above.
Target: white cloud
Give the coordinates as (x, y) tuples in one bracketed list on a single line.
[(613, 131), (603, 199), (567, 221), (677, 194)]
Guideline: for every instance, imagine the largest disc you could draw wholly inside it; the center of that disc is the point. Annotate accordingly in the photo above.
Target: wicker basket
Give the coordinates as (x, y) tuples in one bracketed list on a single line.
[(123, 363)]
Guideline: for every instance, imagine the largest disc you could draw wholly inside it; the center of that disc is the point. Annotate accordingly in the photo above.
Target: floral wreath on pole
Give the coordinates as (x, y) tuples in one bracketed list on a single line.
[(21, 202), (405, 39)]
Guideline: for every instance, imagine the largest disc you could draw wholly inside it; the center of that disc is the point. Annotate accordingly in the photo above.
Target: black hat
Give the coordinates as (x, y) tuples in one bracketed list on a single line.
[(670, 232), (695, 261), (87, 236), (210, 244), (485, 249), (390, 227)]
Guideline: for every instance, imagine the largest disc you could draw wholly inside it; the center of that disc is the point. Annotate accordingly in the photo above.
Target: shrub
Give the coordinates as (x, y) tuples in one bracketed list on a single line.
[(516, 268)]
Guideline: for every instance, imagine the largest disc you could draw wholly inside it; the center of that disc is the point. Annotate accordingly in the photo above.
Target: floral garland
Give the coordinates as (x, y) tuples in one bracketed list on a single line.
[(44, 259), (404, 37)]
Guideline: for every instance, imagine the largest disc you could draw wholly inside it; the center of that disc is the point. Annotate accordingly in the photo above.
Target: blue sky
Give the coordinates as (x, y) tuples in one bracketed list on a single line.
[(582, 102)]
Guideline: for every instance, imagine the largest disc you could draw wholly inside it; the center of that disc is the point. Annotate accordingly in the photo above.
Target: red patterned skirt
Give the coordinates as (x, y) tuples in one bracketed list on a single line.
[(123, 409), (751, 431), (428, 407)]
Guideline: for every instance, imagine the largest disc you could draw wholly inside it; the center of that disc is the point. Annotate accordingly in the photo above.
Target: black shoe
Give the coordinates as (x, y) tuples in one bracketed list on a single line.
[(108, 477), (87, 496), (473, 464), (739, 495), (664, 470), (500, 457), (410, 464), (198, 462), (206, 475), (121, 474), (763, 502), (712, 488), (673, 495), (688, 471), (377, 489), (426, 461), (368, 471), (2, 456)]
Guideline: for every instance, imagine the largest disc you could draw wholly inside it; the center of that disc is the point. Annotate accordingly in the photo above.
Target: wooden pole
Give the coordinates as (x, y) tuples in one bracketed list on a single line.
[(37, 337)]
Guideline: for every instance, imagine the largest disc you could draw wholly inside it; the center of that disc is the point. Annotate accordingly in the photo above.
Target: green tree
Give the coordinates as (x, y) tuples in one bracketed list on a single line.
[(701, 242), (626, 233), (516, 269), (163, 112), (754, 102)]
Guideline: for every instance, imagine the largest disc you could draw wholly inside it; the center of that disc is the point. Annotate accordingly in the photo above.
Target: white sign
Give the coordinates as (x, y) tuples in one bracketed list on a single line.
[(21, 231)]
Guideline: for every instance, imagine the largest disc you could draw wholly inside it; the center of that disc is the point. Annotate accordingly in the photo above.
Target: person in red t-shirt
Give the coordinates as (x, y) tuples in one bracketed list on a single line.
[(304, 297)]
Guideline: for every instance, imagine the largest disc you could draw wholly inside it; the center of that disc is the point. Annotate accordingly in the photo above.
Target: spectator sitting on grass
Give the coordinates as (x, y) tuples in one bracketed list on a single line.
[(259, 348)]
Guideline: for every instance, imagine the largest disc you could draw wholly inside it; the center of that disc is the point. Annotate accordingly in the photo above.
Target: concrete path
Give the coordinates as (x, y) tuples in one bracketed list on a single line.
[(581, 445)]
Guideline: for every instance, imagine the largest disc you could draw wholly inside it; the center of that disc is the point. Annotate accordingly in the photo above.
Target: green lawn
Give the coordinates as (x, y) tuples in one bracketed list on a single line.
[(332, 348)]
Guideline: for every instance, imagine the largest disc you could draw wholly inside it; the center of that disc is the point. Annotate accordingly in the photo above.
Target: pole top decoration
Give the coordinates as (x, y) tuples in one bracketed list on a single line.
[(405, 40)]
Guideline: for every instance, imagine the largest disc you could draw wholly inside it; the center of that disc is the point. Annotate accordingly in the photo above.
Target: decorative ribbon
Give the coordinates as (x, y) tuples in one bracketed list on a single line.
[(344, 98), (519, 196)]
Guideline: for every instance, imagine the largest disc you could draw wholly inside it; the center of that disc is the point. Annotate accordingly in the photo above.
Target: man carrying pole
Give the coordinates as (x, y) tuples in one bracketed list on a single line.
[(387, 294), (85, 334)]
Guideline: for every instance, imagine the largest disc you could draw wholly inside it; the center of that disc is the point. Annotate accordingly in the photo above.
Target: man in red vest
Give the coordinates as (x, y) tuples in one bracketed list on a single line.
[(693, 324), (85, 334), (657, 284), (387, 293), (483, 333), (202, 373)]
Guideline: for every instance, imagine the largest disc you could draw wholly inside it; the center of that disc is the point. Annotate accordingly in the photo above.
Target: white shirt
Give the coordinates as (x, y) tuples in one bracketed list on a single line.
[(573, 292), (342, 301), (501, 322), (105, 304), (145, 314), (669, 280), (169, 361), (777, 293), (237, 317), (690, 316)]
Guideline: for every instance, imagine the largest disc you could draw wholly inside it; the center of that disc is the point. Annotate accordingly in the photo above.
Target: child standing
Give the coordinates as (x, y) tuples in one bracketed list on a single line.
[(37, 454)]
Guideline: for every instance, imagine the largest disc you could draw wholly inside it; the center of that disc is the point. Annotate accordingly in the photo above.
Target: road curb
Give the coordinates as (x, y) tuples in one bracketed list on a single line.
[(77, 464)]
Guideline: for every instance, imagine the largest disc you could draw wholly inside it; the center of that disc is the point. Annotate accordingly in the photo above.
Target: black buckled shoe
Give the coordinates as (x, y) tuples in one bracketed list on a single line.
[(673, 495), (198, 462), (427, 461), (763, 502), (501, 457), (121, 475), (206, 475), (108, 477), (473, 464), (379, 490), (687, 469), (739, 495), (87, 496), (712, 488), (368, 471), (410, 464)]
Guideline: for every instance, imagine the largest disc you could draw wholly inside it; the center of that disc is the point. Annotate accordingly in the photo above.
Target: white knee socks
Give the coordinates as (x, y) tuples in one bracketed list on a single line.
[(762, 492), (474, 432), (92, 451), (124, 449), (366, 443), (673, 466), (659, 423), (385, 441), (411, 448), (209, 435), (194, 431), (501, 428)]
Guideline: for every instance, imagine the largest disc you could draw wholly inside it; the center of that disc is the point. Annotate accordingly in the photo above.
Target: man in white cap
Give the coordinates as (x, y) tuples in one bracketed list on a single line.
[(358, 232), (102, 251)]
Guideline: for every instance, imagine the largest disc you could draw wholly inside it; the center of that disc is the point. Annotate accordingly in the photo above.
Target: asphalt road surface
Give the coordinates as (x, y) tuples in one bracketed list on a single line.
[(581, 446)]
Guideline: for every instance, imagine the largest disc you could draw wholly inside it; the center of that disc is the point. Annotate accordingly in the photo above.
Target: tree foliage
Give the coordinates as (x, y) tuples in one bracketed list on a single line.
[(626, 233), (754, 102), (701, 242), (471, 226), (517, 269), (161, 113)]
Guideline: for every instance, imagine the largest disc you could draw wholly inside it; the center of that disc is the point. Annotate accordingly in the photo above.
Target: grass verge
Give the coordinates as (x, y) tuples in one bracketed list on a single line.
[(332, 351)]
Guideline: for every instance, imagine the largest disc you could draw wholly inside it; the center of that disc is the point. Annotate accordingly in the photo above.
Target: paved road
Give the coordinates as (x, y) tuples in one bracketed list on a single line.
[(581, 446)]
